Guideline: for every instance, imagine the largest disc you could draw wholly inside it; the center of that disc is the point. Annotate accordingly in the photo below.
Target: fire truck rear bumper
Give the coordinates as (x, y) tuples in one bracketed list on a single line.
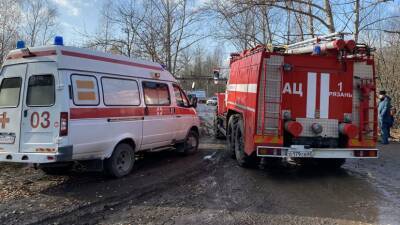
[(300, 151)]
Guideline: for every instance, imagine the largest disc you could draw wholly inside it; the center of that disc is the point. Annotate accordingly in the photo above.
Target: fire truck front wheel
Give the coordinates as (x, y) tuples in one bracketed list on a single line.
[(121, 161), (217, 133), (242, 158)]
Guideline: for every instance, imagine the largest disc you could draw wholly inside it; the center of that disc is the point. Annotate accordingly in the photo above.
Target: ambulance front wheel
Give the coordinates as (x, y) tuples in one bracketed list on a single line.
[(121, 161), (191, 143)]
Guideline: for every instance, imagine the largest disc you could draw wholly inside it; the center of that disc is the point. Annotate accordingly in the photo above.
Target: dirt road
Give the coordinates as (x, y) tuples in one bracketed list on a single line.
[(207, 188)]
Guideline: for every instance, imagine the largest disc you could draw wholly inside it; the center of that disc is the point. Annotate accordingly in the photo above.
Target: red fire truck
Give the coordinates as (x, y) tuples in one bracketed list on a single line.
[(311, 102)]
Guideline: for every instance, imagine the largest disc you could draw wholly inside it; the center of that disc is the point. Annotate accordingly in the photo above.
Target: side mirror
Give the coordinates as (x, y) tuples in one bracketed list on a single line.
[(216, 75), (193, 102)]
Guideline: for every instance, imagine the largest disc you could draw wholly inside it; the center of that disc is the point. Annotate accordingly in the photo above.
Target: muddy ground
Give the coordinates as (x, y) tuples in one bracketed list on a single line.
[(206, 188)]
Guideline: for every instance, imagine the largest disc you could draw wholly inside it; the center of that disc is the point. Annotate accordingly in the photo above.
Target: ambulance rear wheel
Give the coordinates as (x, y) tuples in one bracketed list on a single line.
[(230, 135), (243, 159), (121, 161)]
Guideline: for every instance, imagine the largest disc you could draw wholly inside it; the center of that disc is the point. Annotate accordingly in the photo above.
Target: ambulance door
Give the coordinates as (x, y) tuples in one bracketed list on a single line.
[(11, 94), (40, 114), (183, 117), (158, 123)]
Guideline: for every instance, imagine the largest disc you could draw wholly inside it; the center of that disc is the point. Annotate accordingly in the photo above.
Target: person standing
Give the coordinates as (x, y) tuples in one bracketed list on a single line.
[(384, 117)]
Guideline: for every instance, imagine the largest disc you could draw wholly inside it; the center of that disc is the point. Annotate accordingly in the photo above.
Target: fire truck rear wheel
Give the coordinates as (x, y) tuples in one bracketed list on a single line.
[(230, 135), (121, 161), (242, 158)]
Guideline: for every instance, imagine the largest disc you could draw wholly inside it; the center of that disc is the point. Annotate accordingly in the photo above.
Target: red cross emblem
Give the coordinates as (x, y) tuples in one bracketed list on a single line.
[(4, 120), (159, 111)]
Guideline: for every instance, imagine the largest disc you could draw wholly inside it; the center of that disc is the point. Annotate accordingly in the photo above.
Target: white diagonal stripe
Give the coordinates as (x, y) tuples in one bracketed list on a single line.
[(247, 88), (242, 106), (311, 94), (324, 96)]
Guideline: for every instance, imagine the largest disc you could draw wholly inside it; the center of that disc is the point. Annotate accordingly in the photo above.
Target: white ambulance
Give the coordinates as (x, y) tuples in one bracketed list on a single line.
[(60, 105)]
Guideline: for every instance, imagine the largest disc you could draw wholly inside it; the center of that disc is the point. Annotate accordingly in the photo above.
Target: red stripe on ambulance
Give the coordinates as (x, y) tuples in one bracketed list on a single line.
[(94, 113), (110, 60), (32, 54)]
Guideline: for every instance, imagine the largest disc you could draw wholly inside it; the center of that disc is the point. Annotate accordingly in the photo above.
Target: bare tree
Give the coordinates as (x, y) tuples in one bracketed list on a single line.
[(10, 15), (39, 21), (159, 30)]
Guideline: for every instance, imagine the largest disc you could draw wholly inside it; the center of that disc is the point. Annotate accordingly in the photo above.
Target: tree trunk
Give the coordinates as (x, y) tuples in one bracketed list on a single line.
[(329, 16), (168, 36), (310, 19), (356, 19)]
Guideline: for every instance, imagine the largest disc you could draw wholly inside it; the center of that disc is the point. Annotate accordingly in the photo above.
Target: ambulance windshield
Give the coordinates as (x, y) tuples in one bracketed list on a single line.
[(10, 91)]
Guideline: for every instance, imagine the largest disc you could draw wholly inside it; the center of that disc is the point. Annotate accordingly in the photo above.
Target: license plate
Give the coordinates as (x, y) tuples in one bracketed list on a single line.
[(7, 139), (299, 154)]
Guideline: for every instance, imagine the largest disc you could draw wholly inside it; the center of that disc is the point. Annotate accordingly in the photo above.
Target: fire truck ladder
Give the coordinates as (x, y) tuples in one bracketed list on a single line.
[(367, 109), (272, 80)]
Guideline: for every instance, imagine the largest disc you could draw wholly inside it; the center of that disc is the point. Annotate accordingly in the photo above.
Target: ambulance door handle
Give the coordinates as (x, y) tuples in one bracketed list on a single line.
[(25, 113), (146, 111)]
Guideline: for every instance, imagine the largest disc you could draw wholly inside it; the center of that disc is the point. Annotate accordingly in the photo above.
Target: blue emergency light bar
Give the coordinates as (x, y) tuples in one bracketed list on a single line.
[(20, 44), (58, 40)]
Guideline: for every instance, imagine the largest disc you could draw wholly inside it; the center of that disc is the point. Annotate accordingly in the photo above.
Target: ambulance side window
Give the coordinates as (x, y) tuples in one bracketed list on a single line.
[(41, 90), (85, 90), (156, 93), (120, 92)]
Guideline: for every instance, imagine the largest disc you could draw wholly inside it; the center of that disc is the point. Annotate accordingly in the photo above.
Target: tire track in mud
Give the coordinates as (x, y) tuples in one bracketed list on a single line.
[(94, 212)]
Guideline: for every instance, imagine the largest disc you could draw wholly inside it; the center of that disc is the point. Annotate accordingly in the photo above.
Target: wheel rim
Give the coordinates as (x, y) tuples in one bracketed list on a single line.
[(123, 162)]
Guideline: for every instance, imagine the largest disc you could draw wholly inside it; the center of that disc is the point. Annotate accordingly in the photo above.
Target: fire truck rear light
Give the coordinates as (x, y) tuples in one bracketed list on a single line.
[(63, 124), (365, 153), (270, 151), (294, 128), (350, 130)]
